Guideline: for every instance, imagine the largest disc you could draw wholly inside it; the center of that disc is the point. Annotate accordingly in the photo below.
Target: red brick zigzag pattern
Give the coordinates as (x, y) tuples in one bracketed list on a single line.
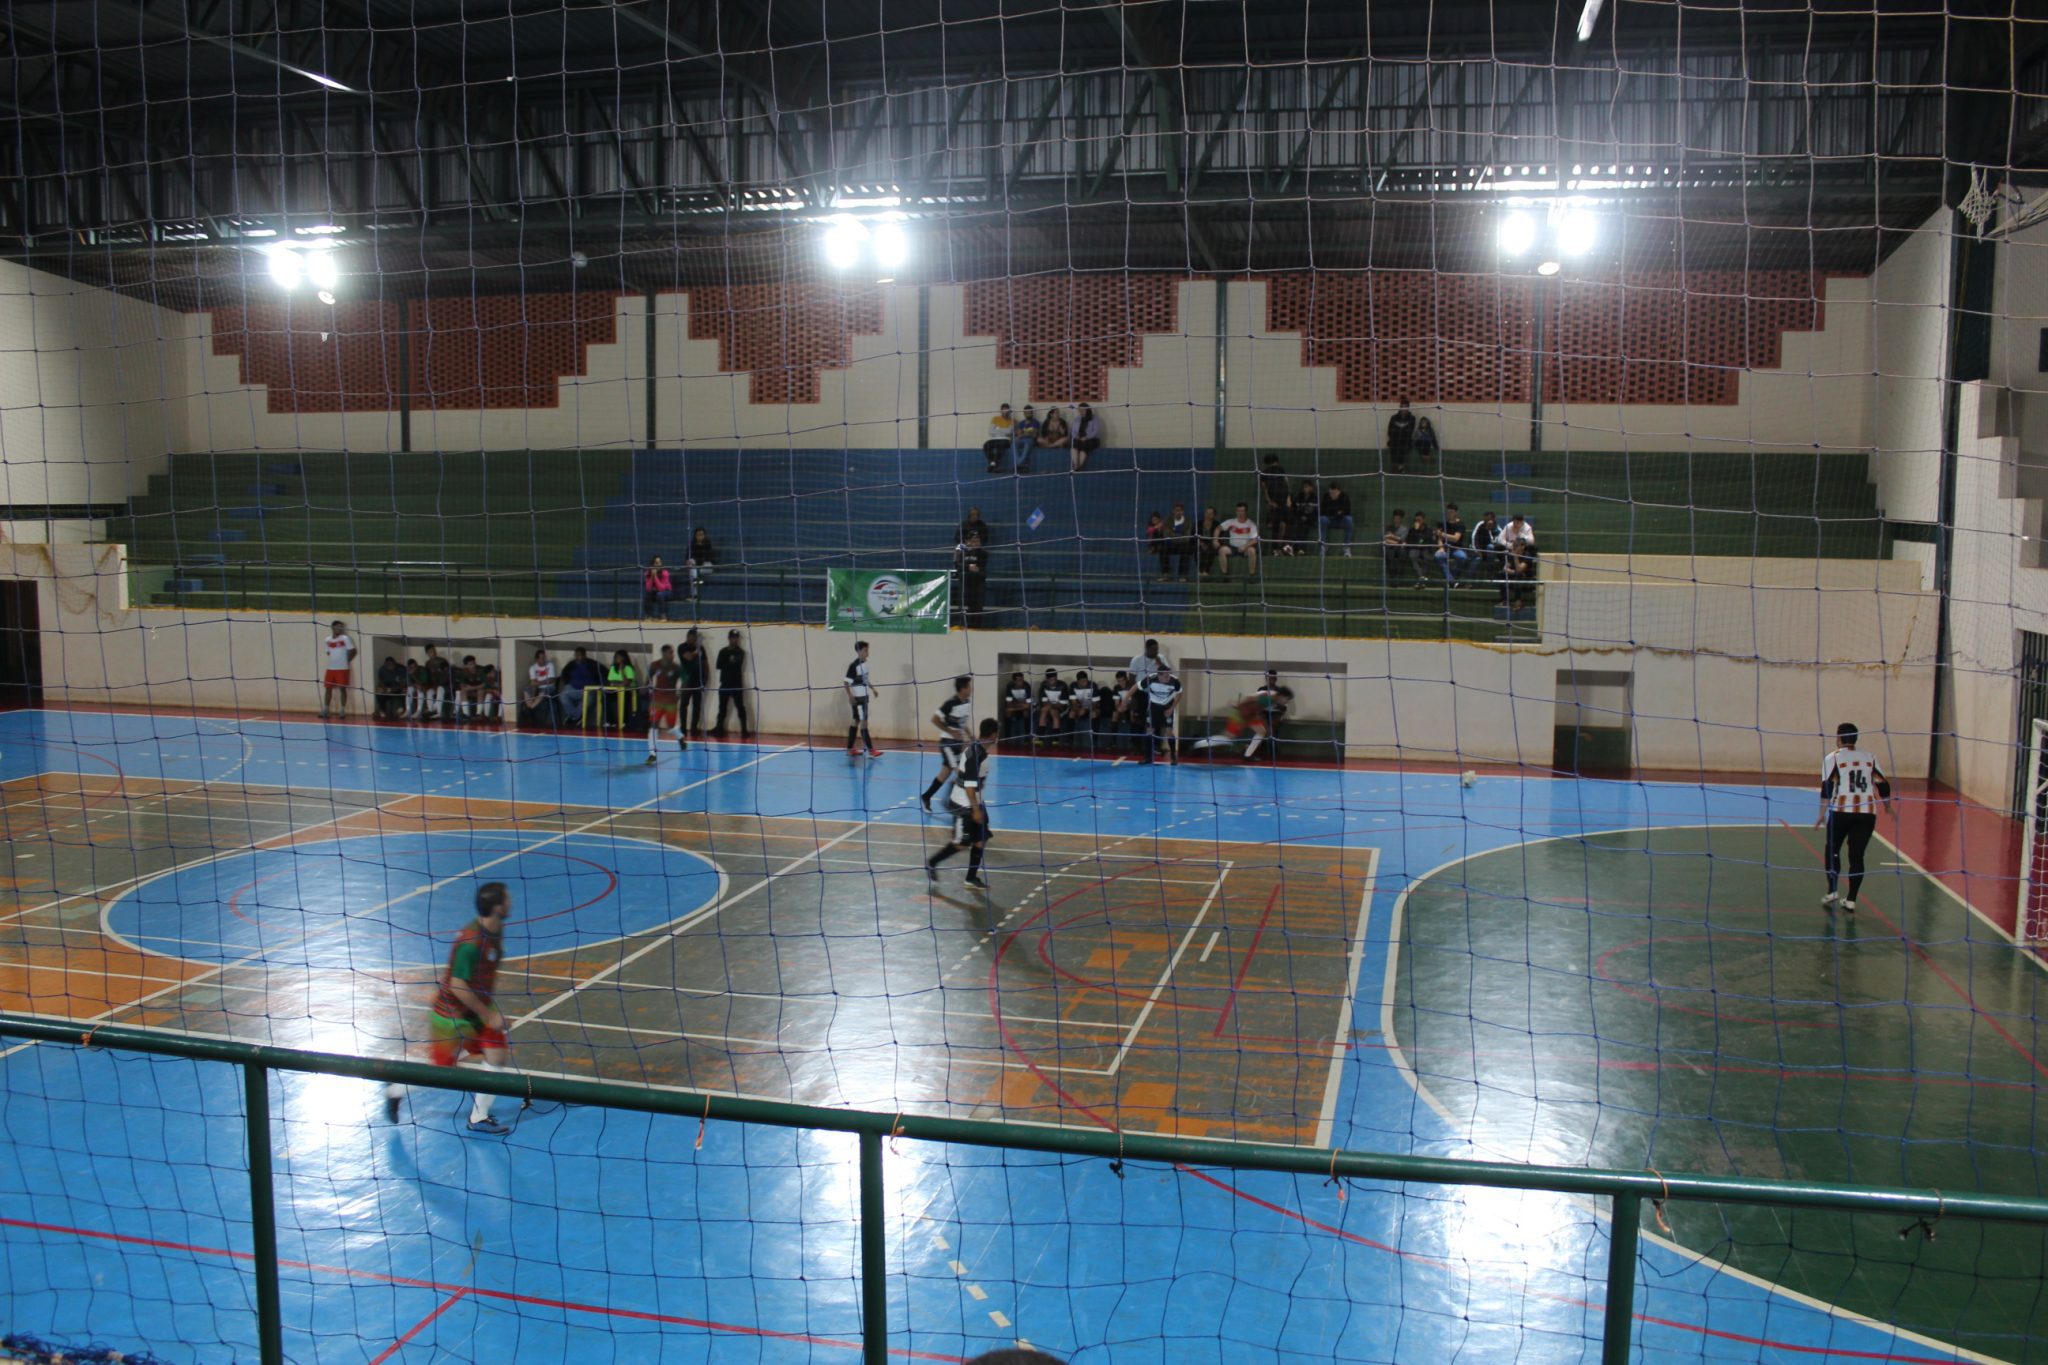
[(1069, 330), (781, 335), (1648, 338), (493, 351)]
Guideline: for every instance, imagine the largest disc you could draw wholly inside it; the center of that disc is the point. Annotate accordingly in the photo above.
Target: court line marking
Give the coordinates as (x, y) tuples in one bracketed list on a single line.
[(1599, 1208), (1340, 1043), (2009, 940), (780, 1047), (422, 797), (689, 921), (1131, 1034)]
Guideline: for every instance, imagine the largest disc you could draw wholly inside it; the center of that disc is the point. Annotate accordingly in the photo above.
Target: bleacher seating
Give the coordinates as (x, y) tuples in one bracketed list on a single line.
[(562, 533)]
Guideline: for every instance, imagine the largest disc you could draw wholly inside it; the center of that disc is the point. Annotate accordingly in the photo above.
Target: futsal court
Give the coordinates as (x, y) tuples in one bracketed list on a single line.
[(1623, 973)]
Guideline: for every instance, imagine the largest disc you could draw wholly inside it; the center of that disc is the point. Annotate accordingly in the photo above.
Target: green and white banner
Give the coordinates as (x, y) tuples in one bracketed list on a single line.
[(906, 603)]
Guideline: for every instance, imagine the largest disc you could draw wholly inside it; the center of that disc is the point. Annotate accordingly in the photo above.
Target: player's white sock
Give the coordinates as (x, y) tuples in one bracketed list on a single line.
[(1211, 742), (480, 1104), (1253, 747)]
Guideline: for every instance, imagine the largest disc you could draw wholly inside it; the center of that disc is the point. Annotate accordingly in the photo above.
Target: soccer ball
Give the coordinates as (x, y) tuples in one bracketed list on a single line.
[(1471, 778)]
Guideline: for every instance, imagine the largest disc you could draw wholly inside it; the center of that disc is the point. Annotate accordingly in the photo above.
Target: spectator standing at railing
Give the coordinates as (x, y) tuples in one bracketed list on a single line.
[(973, 525), (1275, 495), (1087, 436), (732, 686), (1001, 429), (1024, 439), (973, 579), (1400, 438), (1425, 444), (702, 559), (657, 590), (581, 674), (339, 652)]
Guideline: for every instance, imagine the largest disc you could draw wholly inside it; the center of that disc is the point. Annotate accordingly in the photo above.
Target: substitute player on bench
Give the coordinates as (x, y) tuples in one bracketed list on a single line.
[(954, 720), (1852, 791), (465, 1020)]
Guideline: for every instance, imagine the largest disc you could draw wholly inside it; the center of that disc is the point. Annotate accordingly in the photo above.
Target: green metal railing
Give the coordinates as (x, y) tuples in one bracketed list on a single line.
[(1626, 1190)]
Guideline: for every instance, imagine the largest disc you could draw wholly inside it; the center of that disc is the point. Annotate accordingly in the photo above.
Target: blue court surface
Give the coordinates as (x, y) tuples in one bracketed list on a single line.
[(593, 1236)]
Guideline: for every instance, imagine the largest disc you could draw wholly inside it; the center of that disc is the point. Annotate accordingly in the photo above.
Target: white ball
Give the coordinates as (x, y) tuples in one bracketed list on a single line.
[(1471, 778)]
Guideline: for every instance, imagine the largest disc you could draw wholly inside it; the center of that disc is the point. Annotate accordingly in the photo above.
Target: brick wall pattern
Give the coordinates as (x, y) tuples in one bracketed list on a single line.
[(782, 335), (1070, 330)]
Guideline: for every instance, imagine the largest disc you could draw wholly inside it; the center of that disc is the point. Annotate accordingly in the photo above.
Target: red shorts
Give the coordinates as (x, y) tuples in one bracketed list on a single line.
[(453, 1038), (668, 709), (336, 677)]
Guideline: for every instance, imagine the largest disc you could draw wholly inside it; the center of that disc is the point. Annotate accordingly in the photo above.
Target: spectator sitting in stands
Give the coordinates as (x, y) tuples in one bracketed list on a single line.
[(1400, 438), (1178, 558), (703, 557), (1335, 513), (1301, 518), (1017, 707), (469, 689), (1425, 444), (1240, 540), (1087, 436), (1517, 574), (1208, 540), (540, 687), (1001, 428), (1394, 545), (1422, 546), (415, 689), (581, 674), (391, 689), (1486, 546), (1024, 439), (1053, 433), (1052, 707), (1452, 554), (439, 676), (1520, 531), (657, 590), (1154, 539)]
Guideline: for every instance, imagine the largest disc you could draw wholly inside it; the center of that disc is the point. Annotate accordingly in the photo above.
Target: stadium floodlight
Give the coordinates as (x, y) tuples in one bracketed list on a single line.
[(891, 245), (1588, 16), (285, 267), (1517, 233), (845, 238), (1548, 268), (1577, 232), (321, 270)]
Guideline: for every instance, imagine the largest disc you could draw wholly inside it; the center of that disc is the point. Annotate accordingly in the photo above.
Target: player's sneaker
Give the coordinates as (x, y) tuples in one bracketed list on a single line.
[(488, 1124), (931, 876), (1849, 906), (1831, 900), (974, 880), (926, 802), (874, 753), (853, 753), (392, 1096), (651, 759)]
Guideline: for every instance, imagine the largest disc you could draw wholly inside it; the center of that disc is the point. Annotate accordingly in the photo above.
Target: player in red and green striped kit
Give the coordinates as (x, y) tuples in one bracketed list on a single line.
[(1257, 715), (465, 1020)]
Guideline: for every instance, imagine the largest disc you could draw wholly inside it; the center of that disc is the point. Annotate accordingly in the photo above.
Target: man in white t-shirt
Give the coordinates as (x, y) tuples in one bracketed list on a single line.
[(340, 653), (1240, 540), (540, 687)]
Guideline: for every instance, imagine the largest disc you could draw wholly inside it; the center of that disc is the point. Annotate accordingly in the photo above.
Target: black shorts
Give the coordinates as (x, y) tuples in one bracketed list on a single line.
[(860, 711), (968, 831)]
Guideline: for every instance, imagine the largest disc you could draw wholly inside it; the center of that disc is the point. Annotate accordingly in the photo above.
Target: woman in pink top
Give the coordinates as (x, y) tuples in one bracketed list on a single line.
[(657, 590)]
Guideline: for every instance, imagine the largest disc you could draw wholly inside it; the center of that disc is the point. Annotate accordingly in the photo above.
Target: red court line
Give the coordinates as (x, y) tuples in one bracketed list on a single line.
[(1230, 1001), (533, 1300), (1066, 1097), (1961, 992), (420, 1326)]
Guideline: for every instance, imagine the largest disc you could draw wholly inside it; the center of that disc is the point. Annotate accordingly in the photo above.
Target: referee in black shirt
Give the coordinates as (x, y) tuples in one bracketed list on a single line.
[(954, 720)]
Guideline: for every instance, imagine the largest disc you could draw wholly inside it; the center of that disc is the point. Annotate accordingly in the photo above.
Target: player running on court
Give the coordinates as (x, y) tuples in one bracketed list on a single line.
[(1258, 715), (970, 810), (465, 1019), (954, 720), (1852, 791), (860, 692), (664, 703)]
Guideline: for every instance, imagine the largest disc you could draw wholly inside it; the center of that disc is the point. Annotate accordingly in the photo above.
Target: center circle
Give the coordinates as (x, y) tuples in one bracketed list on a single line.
[(385, 901)]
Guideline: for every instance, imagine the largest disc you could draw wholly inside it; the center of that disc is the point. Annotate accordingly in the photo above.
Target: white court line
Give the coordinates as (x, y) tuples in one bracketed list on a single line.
[(1185, 939), (260, 954), (688, 922), (783, 1048), (1340, 1047)]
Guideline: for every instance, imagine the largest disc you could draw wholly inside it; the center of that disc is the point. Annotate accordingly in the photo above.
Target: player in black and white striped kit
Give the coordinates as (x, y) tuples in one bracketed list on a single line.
[(954, 721), (970, 811), (859, 692), (1852, 791), (1160, 696)]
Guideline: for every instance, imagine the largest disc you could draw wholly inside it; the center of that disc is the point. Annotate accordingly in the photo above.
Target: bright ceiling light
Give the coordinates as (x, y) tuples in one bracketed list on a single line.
[(1548, 268), (321, 270), (285, 267), (1577, 232), (1588, 16), (1517, 233), (845, 238), (891, 245)]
